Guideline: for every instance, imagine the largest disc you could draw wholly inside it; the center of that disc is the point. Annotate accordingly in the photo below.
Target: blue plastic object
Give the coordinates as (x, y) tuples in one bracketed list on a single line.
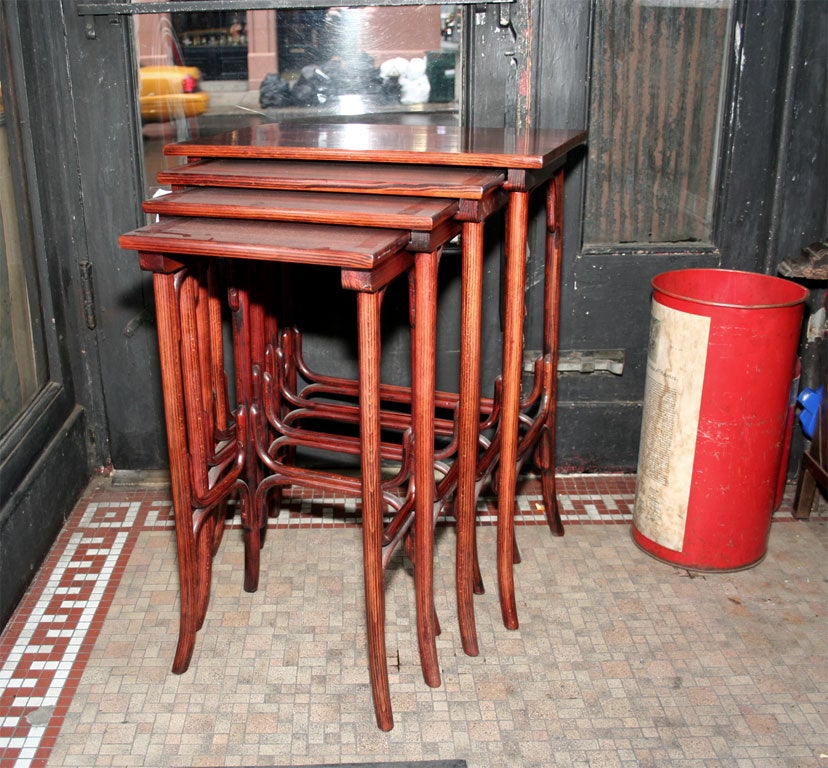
[(810, 400)]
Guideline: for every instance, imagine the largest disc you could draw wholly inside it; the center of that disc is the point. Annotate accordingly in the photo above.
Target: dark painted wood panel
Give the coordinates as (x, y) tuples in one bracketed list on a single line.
[(751, 138), (44, 454), (657, 76), (122, 349), (39, 504), (561, 101), (608, 307), (802, 160), (598, 436)]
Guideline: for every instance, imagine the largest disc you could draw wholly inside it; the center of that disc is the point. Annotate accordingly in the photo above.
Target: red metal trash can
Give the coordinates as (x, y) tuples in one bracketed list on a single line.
[(721, 358)]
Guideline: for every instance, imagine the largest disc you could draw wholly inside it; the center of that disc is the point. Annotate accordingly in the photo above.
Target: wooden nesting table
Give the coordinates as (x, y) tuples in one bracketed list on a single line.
[(269, 193)]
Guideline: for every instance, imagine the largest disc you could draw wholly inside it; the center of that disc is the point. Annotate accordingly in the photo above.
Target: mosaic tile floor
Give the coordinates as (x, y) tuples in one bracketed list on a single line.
[(620, 660)]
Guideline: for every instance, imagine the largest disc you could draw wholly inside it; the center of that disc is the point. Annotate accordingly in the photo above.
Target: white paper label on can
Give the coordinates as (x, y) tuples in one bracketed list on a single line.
[(676, 362)]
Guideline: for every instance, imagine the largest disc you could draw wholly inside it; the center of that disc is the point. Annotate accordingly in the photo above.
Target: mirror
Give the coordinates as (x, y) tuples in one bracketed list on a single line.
[(207, 72)]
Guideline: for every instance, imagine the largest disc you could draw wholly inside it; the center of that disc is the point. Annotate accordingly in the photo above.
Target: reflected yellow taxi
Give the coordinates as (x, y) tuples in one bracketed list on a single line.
[(171, 92)]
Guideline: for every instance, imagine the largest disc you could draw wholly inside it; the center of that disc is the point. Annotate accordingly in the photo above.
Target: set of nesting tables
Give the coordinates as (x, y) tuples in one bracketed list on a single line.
[(250, 211)]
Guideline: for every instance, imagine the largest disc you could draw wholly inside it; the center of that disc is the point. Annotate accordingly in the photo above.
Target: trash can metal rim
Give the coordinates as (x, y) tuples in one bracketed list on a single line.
[(661, 283)]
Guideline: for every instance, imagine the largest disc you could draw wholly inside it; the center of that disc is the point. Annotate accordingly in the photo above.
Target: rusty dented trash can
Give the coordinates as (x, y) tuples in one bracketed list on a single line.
[(721, 359)]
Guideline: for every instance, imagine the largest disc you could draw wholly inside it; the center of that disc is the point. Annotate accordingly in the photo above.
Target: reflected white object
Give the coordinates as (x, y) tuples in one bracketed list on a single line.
[(396, 67), (414, 84)]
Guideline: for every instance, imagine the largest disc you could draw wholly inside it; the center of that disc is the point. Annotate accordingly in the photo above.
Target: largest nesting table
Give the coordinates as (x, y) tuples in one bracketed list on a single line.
[(360, 159)]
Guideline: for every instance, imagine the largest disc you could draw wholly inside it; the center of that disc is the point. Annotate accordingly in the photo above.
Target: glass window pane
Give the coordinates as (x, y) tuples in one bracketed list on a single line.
[(658, 68), (22, 347), (202, 73)]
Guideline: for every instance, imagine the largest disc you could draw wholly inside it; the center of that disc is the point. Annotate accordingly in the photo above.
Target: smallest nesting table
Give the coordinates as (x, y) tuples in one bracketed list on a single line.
[(209, 453)]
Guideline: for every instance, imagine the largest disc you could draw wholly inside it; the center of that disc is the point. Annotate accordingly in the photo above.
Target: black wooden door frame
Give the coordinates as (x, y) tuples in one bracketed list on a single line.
[(44, 456)]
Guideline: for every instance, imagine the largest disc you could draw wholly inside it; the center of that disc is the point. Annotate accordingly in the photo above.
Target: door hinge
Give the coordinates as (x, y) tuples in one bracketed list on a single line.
[(88, 295), (505, 19)]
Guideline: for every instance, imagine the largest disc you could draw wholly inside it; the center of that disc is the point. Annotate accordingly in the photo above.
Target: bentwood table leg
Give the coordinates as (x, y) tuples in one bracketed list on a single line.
[(368, 309), (195, 352), (280, 273), (262, 324), (468, 428), (424, 288), (240, 306), (551, 330), (218, 376), (167, 278), (216, 379), (514, 303)]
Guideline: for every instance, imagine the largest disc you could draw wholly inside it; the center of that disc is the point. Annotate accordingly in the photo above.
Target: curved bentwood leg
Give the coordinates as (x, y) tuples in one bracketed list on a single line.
[(277, 273), (424, 317), (216, 377), (263, 334), (240, 307), (368, 309), (167, 278), (514, 303), (545, 451), (468, 427), (195, 350)]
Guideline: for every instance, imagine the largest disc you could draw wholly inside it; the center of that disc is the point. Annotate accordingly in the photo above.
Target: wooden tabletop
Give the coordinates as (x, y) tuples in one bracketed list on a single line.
[(383, 211), (352, 177), (384, 143), (346, 247)]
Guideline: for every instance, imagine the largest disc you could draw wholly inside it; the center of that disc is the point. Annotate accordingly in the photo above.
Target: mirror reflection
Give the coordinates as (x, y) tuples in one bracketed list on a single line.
[(23, 364), (207, 72), (387, 57)]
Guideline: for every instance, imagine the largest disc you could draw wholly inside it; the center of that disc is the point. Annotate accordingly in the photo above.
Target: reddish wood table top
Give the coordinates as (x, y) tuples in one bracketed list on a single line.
[(384, 211), (417, 144), (316, 176), (346, 247)]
